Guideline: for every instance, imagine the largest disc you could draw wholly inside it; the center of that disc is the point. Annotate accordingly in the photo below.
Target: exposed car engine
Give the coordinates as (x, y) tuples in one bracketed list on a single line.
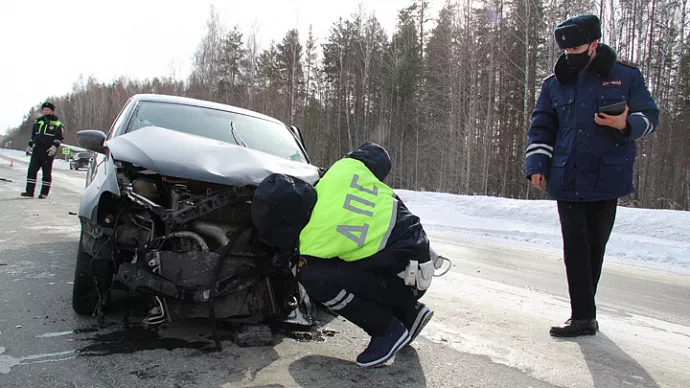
[(166, 215), (191, 246)]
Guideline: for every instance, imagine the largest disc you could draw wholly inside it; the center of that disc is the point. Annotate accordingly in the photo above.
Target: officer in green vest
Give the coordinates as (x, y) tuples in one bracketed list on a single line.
[(46, 136), (361, 253)]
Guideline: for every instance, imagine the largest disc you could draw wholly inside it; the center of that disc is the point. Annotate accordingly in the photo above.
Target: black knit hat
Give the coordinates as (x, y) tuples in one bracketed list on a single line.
[(48, 105), (578, 30), (281, 208)]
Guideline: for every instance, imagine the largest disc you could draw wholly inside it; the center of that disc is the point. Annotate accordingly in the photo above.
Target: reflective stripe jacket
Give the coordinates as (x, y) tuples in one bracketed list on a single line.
[(353, 217), (407, 239), (584, 161), (46, 132), (350, 215)]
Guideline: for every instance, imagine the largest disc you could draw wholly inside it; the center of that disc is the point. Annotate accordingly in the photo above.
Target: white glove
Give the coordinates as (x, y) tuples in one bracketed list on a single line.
[(52, 150), (418, 275)]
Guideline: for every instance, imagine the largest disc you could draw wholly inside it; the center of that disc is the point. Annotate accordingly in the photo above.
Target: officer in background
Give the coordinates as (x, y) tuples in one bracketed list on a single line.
[(46, 136), (584, 158), (362, 254)]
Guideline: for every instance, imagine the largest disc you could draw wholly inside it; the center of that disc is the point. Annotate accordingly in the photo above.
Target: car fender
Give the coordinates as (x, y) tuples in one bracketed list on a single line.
[(101, 178)]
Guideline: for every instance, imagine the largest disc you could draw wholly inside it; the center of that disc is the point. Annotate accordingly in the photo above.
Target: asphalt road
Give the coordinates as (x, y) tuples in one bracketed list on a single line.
[(490, 327)]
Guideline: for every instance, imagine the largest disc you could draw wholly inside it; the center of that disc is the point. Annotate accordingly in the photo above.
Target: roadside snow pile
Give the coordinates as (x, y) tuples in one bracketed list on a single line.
[(658, 239), (58, 164)]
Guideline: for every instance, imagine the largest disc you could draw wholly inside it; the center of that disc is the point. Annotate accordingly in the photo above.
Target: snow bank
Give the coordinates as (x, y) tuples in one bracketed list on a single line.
[(658, 239), (58, 164)]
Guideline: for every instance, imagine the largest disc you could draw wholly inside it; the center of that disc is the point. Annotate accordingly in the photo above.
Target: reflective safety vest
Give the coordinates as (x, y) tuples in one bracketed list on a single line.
[(49, 125), (354, 214)]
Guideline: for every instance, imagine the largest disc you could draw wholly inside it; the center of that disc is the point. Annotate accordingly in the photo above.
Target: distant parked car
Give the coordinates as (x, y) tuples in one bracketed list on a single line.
[(79, 160)]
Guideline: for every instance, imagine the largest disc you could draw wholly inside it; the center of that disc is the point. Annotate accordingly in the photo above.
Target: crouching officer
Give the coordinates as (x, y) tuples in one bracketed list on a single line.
[(583, 156), (46, 136), (362, 254)]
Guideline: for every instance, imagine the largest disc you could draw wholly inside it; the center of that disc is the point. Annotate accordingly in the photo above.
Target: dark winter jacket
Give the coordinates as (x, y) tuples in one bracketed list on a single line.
[(582, 160), (282, 206), (47, 131)]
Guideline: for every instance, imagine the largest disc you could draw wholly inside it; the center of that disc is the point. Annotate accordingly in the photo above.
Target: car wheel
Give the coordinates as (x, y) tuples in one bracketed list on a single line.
[(91, 279)]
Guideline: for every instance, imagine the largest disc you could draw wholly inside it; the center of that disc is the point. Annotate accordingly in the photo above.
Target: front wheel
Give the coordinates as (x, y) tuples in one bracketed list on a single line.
[(92, 278)]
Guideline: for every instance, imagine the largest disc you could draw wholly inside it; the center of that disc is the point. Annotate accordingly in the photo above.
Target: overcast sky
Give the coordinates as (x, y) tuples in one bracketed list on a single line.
[(46, 45)]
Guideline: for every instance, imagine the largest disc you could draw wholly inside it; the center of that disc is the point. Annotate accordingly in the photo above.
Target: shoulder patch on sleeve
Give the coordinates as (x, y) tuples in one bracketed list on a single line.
[(627, 63)]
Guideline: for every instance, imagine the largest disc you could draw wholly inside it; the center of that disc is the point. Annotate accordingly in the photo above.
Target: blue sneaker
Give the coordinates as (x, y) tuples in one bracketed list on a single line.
[(382, 348)]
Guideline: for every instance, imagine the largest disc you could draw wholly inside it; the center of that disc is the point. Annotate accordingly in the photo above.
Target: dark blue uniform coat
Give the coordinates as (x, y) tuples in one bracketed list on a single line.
[(582, 160)]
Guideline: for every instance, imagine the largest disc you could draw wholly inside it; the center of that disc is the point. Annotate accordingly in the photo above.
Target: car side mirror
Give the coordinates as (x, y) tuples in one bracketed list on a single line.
[(92, 140)]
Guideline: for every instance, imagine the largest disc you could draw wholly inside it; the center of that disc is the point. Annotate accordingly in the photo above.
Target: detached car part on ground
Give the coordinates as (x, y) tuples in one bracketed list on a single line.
[(166, 212)]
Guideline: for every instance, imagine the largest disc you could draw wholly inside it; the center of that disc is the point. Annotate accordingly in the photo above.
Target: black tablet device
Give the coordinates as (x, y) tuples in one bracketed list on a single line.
[(614, 109)]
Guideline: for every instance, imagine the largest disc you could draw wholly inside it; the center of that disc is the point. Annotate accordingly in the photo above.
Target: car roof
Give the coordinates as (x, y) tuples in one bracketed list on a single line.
[(201, 103)]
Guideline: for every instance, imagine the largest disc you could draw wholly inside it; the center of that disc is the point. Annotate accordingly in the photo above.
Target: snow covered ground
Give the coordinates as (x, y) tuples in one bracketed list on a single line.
[(648, 238), (58, 164), (61, 171)]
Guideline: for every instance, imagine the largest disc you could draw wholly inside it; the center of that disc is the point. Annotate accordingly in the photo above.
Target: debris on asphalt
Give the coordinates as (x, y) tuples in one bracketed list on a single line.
[(316, 335)]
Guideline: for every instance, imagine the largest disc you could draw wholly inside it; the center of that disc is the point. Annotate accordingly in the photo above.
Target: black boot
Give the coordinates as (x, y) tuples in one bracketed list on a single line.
[(26, 194), (575, 327)]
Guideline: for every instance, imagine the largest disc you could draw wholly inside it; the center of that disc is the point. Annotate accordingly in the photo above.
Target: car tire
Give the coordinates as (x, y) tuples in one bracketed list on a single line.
[(91, 279)]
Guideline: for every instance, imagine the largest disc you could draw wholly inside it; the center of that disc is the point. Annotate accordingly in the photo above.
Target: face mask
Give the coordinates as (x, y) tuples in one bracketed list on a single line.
[(579, 61)]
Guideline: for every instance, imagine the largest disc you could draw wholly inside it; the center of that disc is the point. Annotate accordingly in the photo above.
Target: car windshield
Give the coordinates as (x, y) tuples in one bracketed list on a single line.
[(256, 133)]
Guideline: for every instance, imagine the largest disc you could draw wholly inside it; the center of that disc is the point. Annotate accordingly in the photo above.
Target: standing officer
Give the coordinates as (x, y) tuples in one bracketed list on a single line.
[(583, 158), (362, 254), (46, 136)]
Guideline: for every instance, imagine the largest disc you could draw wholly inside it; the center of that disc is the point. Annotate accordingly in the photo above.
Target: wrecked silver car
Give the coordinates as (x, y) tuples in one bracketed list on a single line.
[(166, 212)]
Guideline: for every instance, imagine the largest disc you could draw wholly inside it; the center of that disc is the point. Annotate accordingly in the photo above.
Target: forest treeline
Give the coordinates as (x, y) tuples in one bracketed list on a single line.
[(448, 94)]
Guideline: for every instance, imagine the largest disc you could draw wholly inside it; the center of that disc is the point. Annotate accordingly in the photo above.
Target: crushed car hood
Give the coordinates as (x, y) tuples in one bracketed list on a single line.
[(182, 155)]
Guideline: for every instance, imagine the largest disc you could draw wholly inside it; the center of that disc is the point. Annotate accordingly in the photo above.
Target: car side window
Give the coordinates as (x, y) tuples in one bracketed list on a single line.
[(119, 119)]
